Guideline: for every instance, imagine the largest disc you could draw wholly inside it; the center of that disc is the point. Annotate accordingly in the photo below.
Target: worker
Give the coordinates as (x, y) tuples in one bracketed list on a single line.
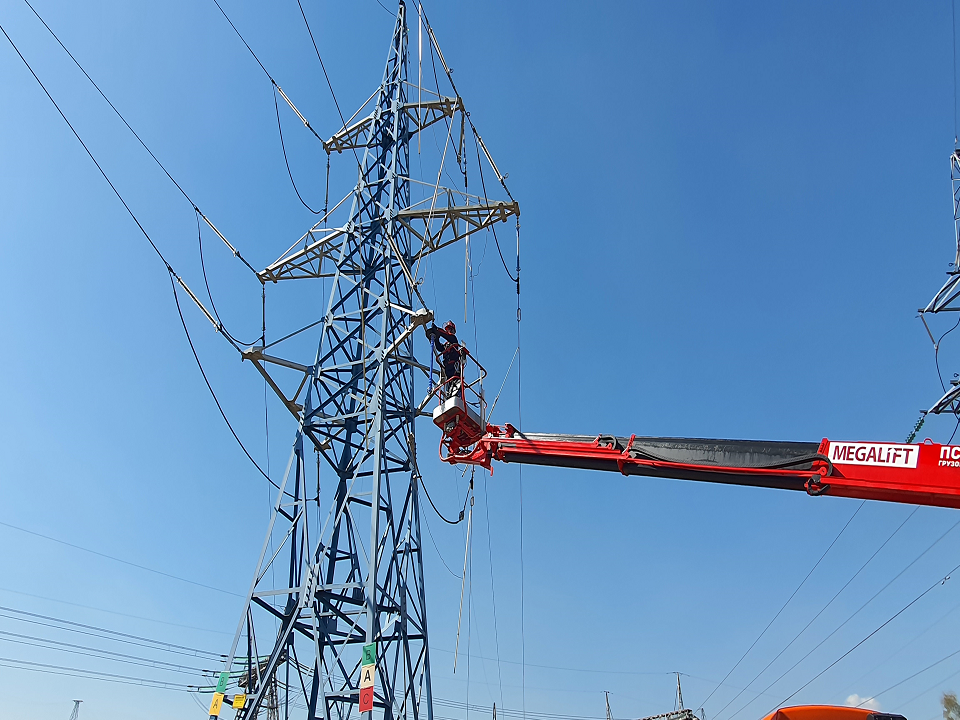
[(451, 352)]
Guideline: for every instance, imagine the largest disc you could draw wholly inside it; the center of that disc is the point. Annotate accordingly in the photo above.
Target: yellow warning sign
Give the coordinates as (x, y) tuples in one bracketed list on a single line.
[(239, 700), (216, 704), (367, 673)]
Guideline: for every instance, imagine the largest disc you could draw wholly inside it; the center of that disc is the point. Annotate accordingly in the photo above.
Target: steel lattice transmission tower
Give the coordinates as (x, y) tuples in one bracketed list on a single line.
[(947, 298), (341, 567)]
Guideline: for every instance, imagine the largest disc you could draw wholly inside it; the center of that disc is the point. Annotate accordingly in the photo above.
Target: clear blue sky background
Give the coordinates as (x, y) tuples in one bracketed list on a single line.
[(730, 215)]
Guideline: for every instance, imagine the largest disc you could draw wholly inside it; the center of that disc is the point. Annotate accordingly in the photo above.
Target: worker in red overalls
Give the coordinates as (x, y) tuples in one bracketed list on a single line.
[(446, 345)]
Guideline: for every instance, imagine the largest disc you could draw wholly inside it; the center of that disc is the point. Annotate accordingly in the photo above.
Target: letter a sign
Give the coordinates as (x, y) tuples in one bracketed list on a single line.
[(368, 671)]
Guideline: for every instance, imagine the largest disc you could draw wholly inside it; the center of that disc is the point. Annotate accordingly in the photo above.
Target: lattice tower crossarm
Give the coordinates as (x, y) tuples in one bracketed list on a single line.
[(350, 573)]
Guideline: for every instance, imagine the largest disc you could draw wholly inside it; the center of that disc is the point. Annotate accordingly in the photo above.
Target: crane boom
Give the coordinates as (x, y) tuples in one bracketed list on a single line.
[(922, 474)]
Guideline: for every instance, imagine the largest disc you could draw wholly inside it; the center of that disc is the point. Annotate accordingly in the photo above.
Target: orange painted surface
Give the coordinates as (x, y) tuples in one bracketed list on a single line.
[(820, 712)]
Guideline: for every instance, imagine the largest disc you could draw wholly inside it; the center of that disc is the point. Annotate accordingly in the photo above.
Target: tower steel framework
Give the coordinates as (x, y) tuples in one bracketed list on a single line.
[(337, 575), (946, 299)]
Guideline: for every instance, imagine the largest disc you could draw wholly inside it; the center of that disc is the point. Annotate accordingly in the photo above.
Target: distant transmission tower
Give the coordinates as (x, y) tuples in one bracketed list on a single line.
[(76, 710), (343, 628), (947, 298)]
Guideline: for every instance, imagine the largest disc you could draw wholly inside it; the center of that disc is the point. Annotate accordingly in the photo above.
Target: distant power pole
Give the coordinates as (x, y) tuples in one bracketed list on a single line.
[(679, 694), (76, 710), (609, 713)]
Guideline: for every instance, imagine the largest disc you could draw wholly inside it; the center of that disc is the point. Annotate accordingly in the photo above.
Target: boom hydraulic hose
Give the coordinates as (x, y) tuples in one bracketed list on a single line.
[(921, 474)]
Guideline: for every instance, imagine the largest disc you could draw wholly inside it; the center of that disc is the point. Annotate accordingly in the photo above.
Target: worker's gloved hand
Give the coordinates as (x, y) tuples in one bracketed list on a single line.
[(431, 332)]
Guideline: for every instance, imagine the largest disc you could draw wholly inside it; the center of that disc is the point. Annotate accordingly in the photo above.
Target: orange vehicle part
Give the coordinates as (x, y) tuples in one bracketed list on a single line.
[(829, 712)]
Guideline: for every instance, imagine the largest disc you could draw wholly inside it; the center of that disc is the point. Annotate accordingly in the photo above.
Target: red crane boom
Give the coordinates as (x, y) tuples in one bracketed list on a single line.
[(919, 474)]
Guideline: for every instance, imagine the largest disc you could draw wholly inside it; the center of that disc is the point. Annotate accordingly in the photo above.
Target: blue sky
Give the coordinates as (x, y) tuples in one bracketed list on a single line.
[(730, 216)]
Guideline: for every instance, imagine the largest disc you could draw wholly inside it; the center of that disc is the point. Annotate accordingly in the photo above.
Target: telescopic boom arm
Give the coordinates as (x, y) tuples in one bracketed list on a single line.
[(920, 474)]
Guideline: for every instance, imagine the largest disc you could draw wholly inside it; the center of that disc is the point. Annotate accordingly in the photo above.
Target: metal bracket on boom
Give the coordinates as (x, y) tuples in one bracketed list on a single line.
[(924, 474)]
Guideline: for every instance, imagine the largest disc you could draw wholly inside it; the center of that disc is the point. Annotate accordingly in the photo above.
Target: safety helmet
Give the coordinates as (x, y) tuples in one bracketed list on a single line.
[(450, 327)]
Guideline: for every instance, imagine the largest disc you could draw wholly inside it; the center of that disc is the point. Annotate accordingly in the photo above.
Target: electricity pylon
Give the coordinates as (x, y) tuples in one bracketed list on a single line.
[(947, 298), (349, 588), (76, 710)]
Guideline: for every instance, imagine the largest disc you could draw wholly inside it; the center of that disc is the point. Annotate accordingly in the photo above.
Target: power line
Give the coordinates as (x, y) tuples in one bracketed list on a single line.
[(935, 685), (250, 49), (92, 674), (116, 559), (90, 154), (206, 282), (782, 608), (129, 127), (911, 677), (322, 66), (893, 617), (92, 630), (822, 610), (173, 275), (890, 656), (114, 612), (286, 160), (850, 617), (100, 653), (213, 394), (305, 122)]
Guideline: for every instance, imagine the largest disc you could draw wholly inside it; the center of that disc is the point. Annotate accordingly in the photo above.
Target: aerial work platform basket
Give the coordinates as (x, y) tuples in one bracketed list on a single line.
[(461, 409)]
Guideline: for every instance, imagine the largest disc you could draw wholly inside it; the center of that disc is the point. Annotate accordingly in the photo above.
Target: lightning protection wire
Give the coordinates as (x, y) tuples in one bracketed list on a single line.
[(129, 127), (323, 67), (780, 611), (822, 610), (853, 615), (941, 581), (336, 103), (279, 89), (173, 275)]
